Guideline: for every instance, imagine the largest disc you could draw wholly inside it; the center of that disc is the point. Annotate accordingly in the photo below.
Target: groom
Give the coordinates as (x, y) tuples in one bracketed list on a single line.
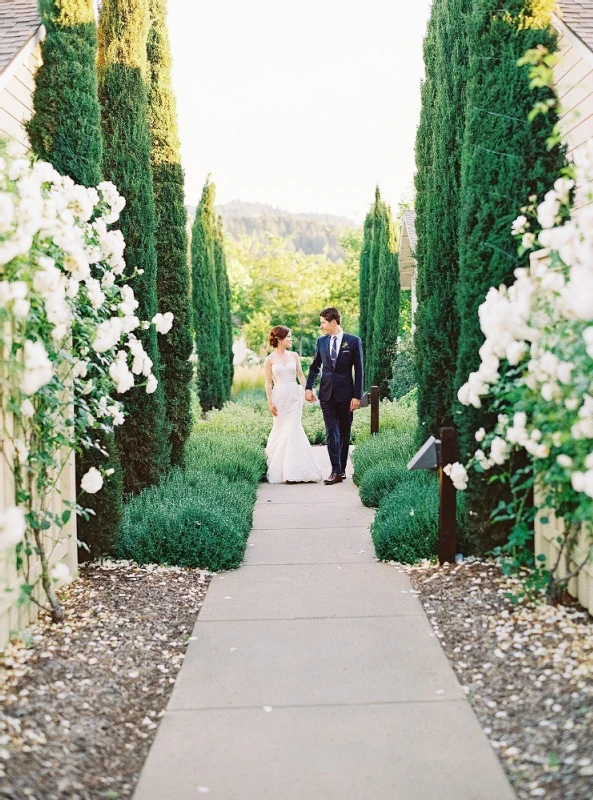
[(339, 394)]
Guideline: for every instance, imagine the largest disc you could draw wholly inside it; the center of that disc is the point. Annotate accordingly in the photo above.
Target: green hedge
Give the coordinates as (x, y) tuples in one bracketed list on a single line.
[(192, 520), (406, 526), (200, 516)]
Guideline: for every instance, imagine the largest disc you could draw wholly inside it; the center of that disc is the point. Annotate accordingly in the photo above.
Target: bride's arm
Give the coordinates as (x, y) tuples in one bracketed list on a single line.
[(268, 382), (300, 373)]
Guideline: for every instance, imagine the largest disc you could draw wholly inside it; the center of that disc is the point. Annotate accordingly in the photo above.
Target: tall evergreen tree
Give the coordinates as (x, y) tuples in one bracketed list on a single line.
[(173, 280), (504, 161), (378, 283), (206, 311), (65, 130), (224, 304), (144, 440), (438, 177), (364, 277), (386, 317)]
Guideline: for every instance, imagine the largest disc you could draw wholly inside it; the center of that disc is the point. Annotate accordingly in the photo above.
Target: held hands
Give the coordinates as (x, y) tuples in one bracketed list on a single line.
[(310, 396), (354, 404)]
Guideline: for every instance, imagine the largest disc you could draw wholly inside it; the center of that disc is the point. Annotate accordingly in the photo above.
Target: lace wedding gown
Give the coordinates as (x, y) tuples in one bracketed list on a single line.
[(289, 454)]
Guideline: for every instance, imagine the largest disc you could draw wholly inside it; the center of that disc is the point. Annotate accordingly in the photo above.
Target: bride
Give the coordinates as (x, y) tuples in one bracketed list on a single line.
[(290, 456)]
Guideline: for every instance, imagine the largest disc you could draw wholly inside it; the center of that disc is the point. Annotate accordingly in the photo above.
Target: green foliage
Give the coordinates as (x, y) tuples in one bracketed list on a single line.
[(99, 530), (235, 456), (406, 525), (404, 369), (65, 127), (397, 416), (224, 305), (281, 287), (504, 160), (171, 233), (206, 307), (310, 234), (379, 480), (438, 176), (123, 31), (379, 295), (66, 131), (192, 520), (201, 516)]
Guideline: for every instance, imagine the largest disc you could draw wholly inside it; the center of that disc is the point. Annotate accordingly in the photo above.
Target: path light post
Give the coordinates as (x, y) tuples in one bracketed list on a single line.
[(436, 454), (372, 399)]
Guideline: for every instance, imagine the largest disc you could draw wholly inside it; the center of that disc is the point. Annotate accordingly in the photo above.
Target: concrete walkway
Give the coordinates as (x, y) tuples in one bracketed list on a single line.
[(313, 674)]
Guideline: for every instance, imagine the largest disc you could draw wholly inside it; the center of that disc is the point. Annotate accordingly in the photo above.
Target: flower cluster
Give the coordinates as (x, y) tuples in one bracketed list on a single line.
[(537, 358), (70, 337)]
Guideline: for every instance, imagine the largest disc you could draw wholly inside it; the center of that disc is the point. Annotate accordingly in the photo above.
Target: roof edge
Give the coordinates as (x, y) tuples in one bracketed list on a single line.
[(575, 40), (20, 56)]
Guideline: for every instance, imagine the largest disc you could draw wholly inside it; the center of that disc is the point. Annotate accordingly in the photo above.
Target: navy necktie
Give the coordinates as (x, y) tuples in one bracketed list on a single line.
[(334, 350)]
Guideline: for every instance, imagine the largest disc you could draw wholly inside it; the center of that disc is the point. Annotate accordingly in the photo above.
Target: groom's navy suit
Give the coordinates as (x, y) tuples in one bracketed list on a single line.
[(338, 387)]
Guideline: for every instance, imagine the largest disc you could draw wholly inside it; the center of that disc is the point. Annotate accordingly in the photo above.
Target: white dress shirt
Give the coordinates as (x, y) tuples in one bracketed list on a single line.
[(339, 336)]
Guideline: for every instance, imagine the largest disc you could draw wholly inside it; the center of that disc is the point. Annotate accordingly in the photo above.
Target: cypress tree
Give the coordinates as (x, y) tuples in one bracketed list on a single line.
[(386, 318), (438, 176), (171, 233), (224, 303), (206, 311), (504, 161), (144, 440), (364, 276), (65, 130), (379, 286)]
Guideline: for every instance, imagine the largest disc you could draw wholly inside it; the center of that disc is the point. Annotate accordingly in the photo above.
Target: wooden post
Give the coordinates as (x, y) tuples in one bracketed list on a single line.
[(448, 498), (374, 409)]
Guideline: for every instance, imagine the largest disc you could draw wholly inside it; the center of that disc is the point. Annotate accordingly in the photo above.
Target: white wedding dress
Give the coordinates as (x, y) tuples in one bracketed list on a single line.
[(289, 454)]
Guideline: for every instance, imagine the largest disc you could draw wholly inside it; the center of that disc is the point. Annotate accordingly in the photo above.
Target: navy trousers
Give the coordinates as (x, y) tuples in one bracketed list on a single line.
[(338, 422)]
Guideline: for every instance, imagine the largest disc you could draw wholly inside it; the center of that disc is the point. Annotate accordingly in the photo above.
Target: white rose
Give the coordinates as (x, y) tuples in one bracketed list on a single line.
[(480, 435), (38, 369), (27, 408), (518, 225), (6, 211), (577, 480), (121, 375), (499, 450), (91, 481), (163, 322), (458, 475), (12, 527), (515, 352), (151, 384), (564, 460)]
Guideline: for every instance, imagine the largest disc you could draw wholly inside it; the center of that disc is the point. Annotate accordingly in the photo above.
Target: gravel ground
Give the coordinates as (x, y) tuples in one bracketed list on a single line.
[(527, 671), (80, 706)]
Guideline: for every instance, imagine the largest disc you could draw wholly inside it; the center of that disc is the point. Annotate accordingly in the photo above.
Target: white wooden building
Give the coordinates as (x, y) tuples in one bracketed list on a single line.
[(20, 34)]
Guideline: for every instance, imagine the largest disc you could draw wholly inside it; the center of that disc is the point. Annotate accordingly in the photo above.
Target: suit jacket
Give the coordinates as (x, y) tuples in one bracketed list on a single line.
[(338, 382)]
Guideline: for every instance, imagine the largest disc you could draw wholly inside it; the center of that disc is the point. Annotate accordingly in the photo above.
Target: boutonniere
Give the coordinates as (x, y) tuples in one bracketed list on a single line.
[(345, 346)]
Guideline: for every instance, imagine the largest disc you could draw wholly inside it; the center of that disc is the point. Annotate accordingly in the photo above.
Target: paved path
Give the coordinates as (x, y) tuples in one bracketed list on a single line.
[(313, 674)]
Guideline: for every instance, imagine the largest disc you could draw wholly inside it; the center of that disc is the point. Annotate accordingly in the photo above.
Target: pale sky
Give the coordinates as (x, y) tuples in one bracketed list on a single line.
[(303, 105)]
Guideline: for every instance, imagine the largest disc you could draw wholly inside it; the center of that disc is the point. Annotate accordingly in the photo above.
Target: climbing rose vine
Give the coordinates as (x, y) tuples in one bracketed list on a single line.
[(68, 347), (537, 368)]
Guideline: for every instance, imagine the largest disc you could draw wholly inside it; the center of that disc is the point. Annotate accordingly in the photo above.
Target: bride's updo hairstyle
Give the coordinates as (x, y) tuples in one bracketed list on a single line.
[(277, 334)]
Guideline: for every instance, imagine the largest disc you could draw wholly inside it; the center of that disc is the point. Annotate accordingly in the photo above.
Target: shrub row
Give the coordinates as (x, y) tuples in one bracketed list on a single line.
[(406, 525), (200, 516)]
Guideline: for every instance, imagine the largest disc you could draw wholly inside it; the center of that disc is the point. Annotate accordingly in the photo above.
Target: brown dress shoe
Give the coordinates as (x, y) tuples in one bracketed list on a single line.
[(335, 477)]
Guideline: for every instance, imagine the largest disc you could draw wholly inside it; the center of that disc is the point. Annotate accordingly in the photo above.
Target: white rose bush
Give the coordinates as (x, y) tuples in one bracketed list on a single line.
[(68, 348), (536, 371)]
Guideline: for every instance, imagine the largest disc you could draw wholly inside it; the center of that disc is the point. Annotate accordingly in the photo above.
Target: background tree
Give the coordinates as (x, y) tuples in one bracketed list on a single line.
[(173, 290), (378, 285), (224, 306), (438, 177), (386, 317), (504, 160), (65, 130), (123, 32), (206, 309)]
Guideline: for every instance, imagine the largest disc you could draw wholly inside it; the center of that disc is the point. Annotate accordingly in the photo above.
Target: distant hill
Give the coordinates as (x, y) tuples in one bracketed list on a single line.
[(309, 233)]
